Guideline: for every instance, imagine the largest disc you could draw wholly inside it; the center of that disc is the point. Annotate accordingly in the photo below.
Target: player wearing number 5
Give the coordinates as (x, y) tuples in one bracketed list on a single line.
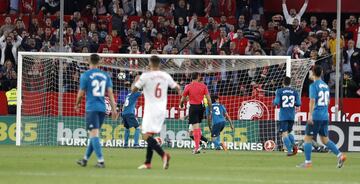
[(318, 120), (94, 83), (287, 98)]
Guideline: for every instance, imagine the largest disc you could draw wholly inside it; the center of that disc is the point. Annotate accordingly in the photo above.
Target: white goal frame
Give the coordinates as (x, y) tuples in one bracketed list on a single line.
[(62, 54)]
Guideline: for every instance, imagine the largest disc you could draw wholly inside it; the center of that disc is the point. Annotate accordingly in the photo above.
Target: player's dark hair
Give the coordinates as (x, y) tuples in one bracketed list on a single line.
[(287, 81), (317, 70), (214, 98), (155, 60), (94, 59), (195, 75)]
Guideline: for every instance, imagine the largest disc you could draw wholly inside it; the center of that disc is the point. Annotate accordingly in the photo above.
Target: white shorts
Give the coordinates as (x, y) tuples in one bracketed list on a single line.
[(152, 123)]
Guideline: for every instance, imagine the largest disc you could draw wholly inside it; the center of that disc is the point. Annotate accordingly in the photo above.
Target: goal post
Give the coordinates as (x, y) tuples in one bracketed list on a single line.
[(48, 82)]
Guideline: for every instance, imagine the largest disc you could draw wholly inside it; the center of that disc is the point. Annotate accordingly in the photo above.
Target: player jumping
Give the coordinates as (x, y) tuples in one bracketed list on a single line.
[(196, 91), (287, 98), (129, 119), (218, 122), (319, 119), (94, 82), (155, 84)]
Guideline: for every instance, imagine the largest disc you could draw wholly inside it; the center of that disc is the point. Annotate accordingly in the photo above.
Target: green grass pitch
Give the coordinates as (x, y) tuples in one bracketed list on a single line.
[(51, 165)]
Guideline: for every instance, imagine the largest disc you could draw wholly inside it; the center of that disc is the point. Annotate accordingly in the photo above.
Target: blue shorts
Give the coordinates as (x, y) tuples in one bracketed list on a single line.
[(94, 119), (217, 128), (286, 126), (319, 127), (130, 121)]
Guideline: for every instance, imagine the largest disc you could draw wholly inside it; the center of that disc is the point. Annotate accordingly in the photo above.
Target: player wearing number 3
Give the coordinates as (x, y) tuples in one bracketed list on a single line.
[(155, 84), (318, 120), (94, 83), (287, 98)]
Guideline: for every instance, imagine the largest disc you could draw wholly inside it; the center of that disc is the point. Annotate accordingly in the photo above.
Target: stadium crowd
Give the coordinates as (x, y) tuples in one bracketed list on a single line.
[(231, 27)]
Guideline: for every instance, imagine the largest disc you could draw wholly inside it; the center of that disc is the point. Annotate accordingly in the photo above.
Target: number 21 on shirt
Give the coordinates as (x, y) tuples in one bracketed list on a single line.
[(98, 88)]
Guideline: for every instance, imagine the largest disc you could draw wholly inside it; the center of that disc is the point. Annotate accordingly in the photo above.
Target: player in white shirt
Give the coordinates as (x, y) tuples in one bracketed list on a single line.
[(155, 84)]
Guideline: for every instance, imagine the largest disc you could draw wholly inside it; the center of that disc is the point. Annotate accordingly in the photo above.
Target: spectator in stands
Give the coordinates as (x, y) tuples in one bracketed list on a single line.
[(100, 7), (283, 36), (270, 36), (9, 46), (241, 23), (277, 49), (181, 10), (293, 14), (347, 57), (7, 27), (324, 25), (34, 25), (128, 6), (227, 8), (108, 46), (145, 6), (314, 27), (297, 35), (304, 26), (94, 43), (9, 74), (240, 41), (82, 40), (118, 21), (51, 7), (331, 44), (252, 32), (351, 61), (181, 28), (169, 46), (75, 19)]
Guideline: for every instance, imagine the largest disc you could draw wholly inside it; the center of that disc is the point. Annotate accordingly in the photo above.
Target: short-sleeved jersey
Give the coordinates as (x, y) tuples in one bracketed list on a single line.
[(287, 98), (218, 113), (130, 103), (319, 91), (95, 82), (196, 92), (155, 86), (122, 96)]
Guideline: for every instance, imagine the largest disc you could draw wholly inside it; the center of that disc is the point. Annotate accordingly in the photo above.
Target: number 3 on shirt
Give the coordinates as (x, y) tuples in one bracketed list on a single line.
[(158, 91), (323, 98), (98, 88)]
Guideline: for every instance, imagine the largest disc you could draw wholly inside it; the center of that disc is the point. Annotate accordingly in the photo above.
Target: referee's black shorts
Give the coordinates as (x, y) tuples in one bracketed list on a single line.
[(196, 113)]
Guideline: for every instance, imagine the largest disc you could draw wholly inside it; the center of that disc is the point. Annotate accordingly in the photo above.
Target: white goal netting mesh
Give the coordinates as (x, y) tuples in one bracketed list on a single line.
[(246, 87)]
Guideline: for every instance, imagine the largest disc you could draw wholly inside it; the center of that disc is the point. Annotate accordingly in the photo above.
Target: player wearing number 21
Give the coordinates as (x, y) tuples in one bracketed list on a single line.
[(287, 98), (155, 84), (318, 120), (94, 83)]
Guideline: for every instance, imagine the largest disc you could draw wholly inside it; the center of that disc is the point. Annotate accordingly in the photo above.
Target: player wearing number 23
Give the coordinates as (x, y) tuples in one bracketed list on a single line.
[(287, 98)]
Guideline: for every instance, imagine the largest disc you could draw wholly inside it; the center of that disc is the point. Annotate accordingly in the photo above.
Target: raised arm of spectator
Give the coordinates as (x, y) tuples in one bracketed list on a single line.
[(192, 23), (285, 11), (303, 8), (18, 41), (2, 38)]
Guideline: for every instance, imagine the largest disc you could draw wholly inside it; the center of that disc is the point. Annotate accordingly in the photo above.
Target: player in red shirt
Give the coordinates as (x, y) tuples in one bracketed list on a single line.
[(196, 91)]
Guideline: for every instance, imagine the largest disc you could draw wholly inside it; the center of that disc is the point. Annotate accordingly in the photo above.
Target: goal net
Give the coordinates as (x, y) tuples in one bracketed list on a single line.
[(48, 83)]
